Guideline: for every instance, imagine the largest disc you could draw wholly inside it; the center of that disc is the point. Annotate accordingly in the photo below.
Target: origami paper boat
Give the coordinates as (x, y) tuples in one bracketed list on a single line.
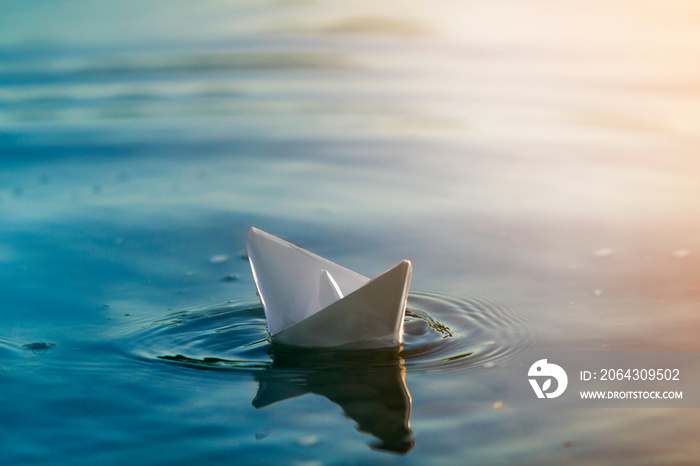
[(312, 302)]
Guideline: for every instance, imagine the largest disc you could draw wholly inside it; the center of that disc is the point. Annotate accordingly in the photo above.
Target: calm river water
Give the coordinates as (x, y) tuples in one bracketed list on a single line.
[(537, 161)]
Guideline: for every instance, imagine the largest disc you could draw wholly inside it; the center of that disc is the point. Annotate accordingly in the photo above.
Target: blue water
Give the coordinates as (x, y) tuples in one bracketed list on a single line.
[(542, 180)]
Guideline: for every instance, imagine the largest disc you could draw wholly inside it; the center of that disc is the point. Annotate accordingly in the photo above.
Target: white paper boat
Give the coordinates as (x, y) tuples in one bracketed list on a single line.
[(310, 301)]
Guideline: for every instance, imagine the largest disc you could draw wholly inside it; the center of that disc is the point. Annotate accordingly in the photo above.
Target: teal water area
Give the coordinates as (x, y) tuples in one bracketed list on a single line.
[(536, 162)]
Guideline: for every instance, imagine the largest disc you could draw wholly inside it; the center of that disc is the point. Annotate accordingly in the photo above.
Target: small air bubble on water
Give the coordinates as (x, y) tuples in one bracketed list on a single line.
[(603, 252), (597, 293), (681, 253), (489, 365), (218, 259), (308, 440)]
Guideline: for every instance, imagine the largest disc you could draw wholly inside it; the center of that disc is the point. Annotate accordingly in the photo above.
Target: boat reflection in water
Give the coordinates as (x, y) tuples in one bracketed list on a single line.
[(368, 385)]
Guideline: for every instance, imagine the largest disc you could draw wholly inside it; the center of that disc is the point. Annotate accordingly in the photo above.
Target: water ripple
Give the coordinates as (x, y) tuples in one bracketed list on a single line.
[(442, 333)]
